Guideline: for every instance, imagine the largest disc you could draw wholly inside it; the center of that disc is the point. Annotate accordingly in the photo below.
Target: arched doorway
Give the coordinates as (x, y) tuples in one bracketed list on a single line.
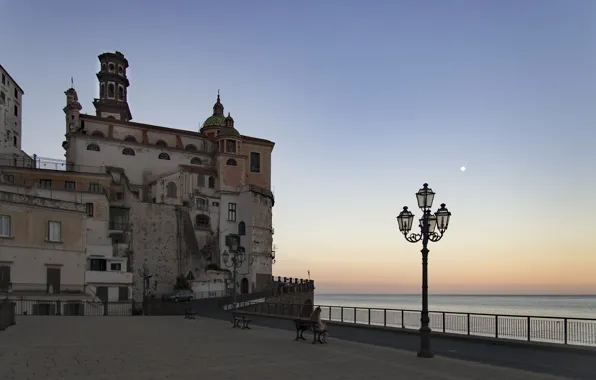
[(307, 309), (244, 286)]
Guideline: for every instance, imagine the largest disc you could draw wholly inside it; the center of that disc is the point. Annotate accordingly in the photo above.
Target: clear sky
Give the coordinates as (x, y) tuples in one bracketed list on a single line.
[(366, 101)]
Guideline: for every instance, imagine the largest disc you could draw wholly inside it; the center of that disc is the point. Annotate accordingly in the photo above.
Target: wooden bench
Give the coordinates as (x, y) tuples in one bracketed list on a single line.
[(238, 318), (189, 313), (303, 325)]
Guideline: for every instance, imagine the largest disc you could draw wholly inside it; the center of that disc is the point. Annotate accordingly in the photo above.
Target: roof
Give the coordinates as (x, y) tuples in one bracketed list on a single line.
[(170, 130), (11, 78)]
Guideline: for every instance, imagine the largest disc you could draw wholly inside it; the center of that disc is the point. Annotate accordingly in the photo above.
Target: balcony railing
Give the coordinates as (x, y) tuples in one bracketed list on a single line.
[(41, 288), (112, 277)]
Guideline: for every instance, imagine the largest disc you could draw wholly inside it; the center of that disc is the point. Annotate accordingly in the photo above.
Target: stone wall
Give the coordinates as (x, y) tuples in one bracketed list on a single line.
[(155, 247)]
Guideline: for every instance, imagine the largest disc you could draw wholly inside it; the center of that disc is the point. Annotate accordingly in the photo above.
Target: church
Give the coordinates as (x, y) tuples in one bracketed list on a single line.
[(217, 181)]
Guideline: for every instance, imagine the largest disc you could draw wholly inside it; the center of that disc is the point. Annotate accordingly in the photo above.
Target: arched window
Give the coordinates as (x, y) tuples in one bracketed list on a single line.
[(190, 148), (97, 134), (130, 139), (211, 182), (195, 161), (102, 90), (103, 66), (163, 156), (241, 228), (93, 147), (120, 93), (120, 70), (111, 67), (200, 180), (111, 90), (171, 190), (231, 162), (202, 222), (161, 143), (128, 152)]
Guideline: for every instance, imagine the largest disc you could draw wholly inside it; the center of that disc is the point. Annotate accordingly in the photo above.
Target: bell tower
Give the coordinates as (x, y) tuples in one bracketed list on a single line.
[(113, 87), (72, 110)]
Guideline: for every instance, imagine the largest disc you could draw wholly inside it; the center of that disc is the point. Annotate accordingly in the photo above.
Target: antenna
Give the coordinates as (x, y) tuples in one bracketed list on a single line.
[(71, 82)]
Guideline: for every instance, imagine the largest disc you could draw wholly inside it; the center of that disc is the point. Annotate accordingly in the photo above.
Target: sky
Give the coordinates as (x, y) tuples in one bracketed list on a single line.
[(366, 101)]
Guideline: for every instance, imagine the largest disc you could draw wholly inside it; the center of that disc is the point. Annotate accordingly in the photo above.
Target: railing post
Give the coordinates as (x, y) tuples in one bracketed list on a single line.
[(403, 324), (529, 329), (354, 314), (496, 326), (369, 316), (342, 313), (443, 321), (385, 317), (468, 320), (564, 330)]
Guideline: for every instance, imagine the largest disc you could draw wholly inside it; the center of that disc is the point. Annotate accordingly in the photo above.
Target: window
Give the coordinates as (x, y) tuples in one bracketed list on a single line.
[(190, 148), (195, 161), (232, 240), (93, 147), (211, 182), (128, 152), (45, 183), (130, 139), (123, 293), (230, 146), (111, 90), (97, 265), (241, 228), (161, 143), (231, 162), (54, 231), (120, 93), (94, 187), (215, 204), (163, 156), (202, 222), (7, 178), (116, 266), (16, 93), (103, 66), (14, 140), (111, 67), (89, 209), (171, 190), (118, 218), (70, 185), (16, 110), (4, 277), (97, 134), (120, 70), (102, 90), (3, 96), (4, 226), (200, 180), (3, 79), (255, 162), (201, 203), (232, 212)]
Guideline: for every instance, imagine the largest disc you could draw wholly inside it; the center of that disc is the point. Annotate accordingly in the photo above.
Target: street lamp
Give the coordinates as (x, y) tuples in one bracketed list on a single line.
[(235, 262), (428, 224)]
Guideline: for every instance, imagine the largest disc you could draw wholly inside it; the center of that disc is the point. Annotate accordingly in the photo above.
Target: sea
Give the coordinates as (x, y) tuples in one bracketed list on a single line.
[(571, 306)]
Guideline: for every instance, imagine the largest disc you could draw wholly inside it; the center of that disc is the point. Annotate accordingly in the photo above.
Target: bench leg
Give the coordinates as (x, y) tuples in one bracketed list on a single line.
[(314, 337), (245, 325), (302, 334), (297, 334)]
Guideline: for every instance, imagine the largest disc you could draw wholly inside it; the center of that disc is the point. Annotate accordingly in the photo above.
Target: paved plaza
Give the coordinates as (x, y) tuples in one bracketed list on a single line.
[(173, 348)]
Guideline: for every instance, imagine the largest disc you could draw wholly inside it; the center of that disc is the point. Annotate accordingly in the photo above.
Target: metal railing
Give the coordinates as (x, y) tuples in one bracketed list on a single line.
[(562, 330), (72, 307), (17, 288)]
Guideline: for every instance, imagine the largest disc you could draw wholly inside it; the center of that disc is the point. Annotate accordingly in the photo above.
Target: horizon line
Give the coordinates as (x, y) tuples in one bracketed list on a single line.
[(461, 294)]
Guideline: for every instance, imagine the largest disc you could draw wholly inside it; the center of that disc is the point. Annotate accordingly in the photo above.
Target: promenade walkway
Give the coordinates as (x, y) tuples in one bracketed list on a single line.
[(173, 348)]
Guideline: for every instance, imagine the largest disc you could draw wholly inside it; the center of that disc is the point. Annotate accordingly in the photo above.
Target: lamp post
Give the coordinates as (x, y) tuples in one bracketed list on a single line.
[(428, 223), (235, 261)]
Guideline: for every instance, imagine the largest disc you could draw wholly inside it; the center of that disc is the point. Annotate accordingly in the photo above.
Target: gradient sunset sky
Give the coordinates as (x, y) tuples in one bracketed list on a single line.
[(366, 101)]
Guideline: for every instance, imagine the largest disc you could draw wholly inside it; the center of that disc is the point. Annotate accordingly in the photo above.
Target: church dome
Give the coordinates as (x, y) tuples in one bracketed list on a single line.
[(228, 132), (217, 119)]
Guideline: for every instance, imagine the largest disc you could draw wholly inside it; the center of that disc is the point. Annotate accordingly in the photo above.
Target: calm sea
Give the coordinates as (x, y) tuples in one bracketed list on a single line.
[(534, 305)]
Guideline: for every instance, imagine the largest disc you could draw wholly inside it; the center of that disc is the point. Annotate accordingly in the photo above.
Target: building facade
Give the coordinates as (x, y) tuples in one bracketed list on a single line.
[(56, 255), (205, 190), (11, 111)]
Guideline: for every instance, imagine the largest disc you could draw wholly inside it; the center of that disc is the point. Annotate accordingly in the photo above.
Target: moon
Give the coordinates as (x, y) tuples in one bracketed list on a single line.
[(463, 168)]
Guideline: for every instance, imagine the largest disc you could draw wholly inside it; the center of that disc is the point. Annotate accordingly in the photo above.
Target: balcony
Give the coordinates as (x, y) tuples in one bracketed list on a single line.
[(40, 288), (111, 277)]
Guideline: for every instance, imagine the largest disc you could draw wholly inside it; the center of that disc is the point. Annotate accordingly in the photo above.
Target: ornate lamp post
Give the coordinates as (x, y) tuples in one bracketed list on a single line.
[(428, 223), (235, 261)]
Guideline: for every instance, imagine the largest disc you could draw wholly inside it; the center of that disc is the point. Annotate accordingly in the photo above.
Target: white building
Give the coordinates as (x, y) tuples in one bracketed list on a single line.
[(216, 178)]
